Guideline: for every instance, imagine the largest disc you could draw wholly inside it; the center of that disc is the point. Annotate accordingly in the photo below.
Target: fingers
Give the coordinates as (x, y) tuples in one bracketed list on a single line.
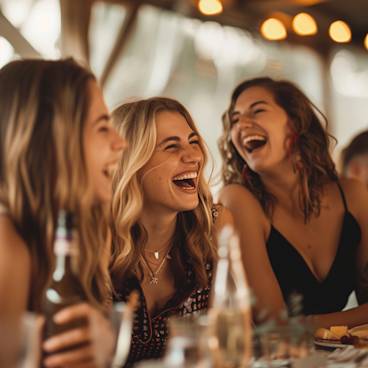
[(72, 358), (77, 311), (97, 333), (67, 339)]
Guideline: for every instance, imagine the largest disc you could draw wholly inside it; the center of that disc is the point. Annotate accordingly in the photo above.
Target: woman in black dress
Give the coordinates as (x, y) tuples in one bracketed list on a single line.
[(302, 229)]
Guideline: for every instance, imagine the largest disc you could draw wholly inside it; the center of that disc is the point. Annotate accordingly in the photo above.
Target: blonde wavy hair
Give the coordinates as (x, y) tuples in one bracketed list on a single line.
[(192, 238), (43, 108)]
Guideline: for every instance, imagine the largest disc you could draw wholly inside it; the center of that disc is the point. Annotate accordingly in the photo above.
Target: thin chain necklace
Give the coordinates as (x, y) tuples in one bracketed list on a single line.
[(156, 253), (154, 274)]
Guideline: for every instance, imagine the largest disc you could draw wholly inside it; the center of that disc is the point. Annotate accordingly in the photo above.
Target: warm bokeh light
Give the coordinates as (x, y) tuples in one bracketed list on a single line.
[(273, 29), (304, 24), (340, 32), (210, 7), (366, 41)]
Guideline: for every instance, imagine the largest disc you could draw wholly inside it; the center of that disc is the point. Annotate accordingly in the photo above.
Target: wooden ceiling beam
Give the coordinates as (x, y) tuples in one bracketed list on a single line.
[(16, 39), (75, 21), (121, 40)]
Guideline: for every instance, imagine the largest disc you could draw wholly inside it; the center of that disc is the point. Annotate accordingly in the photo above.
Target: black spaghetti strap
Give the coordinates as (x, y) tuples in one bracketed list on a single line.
[(342, 196)]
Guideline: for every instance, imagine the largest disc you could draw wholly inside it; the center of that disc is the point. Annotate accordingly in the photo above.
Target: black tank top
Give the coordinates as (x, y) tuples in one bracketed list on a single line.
[(294, 275)]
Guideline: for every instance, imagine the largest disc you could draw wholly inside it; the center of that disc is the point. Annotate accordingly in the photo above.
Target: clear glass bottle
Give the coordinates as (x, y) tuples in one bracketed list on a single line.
[(231, 310), (65, 288)]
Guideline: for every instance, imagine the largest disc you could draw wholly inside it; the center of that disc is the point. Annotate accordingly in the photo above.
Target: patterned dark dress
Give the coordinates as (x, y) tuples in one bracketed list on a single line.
[(150, 333)]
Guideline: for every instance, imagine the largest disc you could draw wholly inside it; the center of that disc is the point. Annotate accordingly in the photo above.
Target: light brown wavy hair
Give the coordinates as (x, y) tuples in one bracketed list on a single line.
[(310, 147), (192, 238), (43, 108)]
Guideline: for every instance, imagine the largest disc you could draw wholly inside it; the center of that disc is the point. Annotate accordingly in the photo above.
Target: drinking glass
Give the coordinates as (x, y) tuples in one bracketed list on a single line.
[(282, 345), (233, 334), (188, 343), (122, 323)]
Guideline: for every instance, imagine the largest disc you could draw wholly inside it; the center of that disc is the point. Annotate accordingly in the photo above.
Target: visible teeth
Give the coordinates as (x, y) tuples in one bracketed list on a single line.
[(254, 137), (189, 175)]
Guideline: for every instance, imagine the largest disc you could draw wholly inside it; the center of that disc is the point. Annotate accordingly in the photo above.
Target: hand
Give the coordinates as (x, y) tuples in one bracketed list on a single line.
[(96, 338)]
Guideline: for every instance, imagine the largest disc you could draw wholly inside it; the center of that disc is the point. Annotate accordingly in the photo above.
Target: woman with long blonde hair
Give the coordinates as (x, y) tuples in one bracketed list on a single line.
[(164, 219), (302, 229), (58, 150)]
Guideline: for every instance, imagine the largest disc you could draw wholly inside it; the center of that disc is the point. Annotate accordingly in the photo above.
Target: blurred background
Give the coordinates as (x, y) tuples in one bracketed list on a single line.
[(197, 50)]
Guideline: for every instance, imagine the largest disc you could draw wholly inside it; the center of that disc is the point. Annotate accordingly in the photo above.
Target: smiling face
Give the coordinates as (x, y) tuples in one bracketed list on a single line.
[(170, 177), (260, 131), (102, 145)]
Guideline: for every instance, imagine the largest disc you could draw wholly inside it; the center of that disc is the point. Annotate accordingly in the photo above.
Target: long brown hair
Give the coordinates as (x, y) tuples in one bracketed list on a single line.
[(43, 108), (136, 122), (310, 149)]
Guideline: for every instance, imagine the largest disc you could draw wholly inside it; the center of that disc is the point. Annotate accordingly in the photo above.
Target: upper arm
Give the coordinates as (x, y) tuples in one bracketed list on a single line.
[(253, 227), (15, 266), (357, 199)]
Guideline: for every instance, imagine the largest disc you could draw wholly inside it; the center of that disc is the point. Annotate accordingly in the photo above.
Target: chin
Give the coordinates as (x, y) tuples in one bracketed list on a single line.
[(189, 205)]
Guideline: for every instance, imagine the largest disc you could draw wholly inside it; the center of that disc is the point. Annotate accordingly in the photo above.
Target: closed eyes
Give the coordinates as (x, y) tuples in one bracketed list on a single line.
[(175, 146)]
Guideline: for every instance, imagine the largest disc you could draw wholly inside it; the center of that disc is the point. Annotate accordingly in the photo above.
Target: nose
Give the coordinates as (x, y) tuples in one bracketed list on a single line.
[(118, 142), (192, 154), (246, 121)]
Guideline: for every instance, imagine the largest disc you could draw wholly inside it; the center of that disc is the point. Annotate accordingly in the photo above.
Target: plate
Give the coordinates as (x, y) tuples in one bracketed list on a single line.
[(359, 328), (329, 344)]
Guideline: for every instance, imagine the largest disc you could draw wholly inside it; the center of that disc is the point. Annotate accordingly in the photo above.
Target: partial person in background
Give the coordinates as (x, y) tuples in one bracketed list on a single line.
[(165, 223), (354, 158), (58, 150), (303, 231)]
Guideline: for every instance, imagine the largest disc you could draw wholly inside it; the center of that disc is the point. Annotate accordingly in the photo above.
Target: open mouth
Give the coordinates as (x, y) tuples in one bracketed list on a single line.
[(254, 142), (186, 181), (109, 171)]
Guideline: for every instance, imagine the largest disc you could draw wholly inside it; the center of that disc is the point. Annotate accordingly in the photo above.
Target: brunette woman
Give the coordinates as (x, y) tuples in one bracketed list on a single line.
[(302, 230)]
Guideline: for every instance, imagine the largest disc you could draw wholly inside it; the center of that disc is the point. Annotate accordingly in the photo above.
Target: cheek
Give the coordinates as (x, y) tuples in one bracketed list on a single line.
[(235, 139)]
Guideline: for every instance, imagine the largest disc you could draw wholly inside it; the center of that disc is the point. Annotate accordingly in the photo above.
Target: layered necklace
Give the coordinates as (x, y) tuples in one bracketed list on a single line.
[(157, 254), (154, 273)]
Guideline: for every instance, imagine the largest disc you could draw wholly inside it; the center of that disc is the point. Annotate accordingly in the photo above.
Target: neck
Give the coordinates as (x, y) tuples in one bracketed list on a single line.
[(160, 229), (283, 185)]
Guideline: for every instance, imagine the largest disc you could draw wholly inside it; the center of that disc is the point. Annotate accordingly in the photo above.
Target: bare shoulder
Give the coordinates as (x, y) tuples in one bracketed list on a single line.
[(235, 193), (15, 270), (236, 196), (244, 207), (15, 258)]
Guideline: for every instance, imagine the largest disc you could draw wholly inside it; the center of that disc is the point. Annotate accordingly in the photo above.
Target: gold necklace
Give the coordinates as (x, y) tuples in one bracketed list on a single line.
[(156, 253), (154, 274)]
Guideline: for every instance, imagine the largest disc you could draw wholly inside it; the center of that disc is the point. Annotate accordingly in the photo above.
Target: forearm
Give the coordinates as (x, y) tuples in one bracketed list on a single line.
[(352, 317)]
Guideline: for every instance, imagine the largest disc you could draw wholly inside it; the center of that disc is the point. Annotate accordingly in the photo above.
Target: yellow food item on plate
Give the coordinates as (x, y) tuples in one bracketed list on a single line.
[(333, 333), (339, 331), (325, 334)]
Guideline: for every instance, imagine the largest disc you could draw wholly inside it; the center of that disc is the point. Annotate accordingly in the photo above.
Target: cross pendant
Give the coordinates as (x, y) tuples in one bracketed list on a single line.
[(154, 280)]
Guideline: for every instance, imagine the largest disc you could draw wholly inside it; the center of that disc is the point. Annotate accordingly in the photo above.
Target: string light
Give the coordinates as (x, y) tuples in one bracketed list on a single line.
[(340, 32), (273, 29), (210, 7), (304, 24)]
